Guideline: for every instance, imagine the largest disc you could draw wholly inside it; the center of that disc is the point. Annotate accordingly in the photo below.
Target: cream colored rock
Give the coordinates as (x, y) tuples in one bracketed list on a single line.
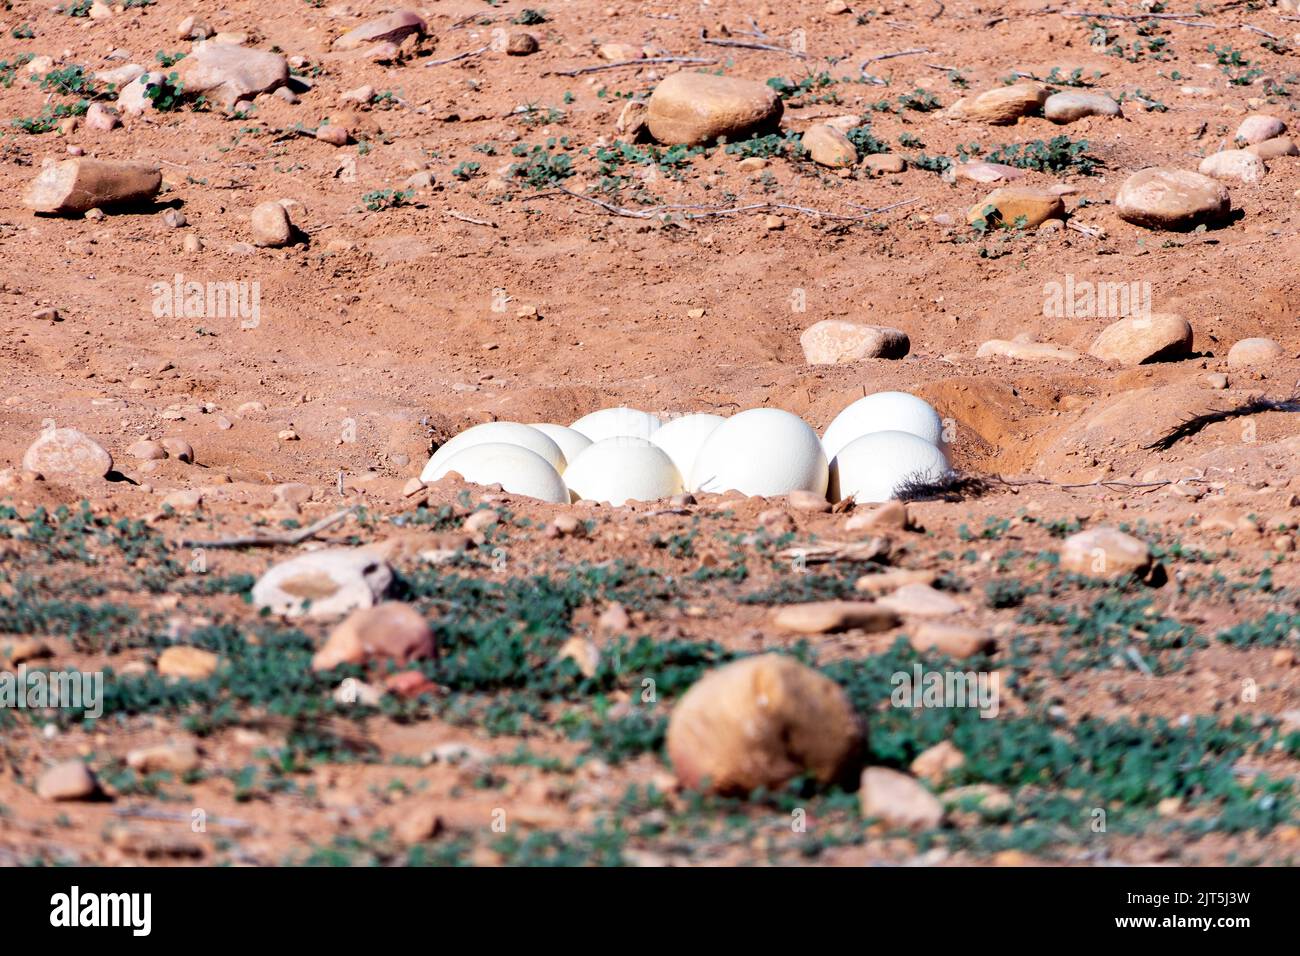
[(76, 185), (1238, 164), (953, 639), (826, 617), (1258, 351), (1005, 104), (981, 172), (391, 28), (827, 146), (66, 452), (1014, 203), (1161, 337), (758, 722), (935, 764), (70, 780), (833, 342), (884, 164), (271, 227), (692, 109), (1066, 107), (323, 584), (1027, 351), (1105, 553), (898, 800), (1171, 199), (921, 600)]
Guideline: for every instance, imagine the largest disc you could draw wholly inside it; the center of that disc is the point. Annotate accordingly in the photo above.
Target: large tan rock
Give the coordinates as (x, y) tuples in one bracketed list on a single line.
[(1005, 104), (1105, 553), (1160, 337), (827, 146), (66, 452), (1259, 127), (825, 617), (1258, 351), (76, 185), (833, 341), (391, 28), (390, 631), (760, 721), (692, 109), (1013, 202), (1171, 199), (228, 73)]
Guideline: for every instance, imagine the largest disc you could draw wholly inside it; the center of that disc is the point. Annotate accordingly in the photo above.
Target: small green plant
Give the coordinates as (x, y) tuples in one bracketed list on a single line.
[(865, 143), (382, 199), (542, 166), (24, 31), (528, 17), (168, 60), (165, 94), (465, 171), (1057, 155)]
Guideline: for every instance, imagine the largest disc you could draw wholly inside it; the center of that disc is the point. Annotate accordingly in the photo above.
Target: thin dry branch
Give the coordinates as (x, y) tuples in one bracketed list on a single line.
[(646, 61), (749, 45), (470, 219), (459, 56), (699, 211), (272, 540)]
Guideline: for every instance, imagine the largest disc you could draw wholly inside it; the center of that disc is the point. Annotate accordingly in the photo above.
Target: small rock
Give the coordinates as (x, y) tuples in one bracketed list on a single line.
[(827, 146), (1162, 337), (1259, 127), (954, 640), (228, 73), (583, 652), (1239, 164), (179, 449), (825, 617), (102, 118), (183, 502), (70, 780), (1274, 148), (920, 600), (520, 43), (981, 172), (1105, 553), (67, 452), (614, 619), (884, 164), (1027, 351), (1070, 106), (188, 663), (145, 450), (935, 764), (899, 800), (1259, 351), (393, 27), (334, 134), (833, 341), (271, 225), (888, 516)]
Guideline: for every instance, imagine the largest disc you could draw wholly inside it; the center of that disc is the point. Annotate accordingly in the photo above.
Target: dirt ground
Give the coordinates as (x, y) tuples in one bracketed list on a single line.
[(1172, 710)]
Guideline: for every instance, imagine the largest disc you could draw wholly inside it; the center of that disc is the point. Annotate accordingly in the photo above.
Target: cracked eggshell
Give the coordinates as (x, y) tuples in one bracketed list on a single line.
[(571, 442), (510, 433), (513, 467), (871, 468), (613, 422), (884, 412), (621, 469), (762, 451), (682, 437)]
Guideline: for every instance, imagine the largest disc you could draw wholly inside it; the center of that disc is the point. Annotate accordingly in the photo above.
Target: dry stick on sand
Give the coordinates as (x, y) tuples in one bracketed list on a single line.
[(271, 540), (747, 45), (649, 60), (470, 219), (889, 56), (459, 56), (697, 211)]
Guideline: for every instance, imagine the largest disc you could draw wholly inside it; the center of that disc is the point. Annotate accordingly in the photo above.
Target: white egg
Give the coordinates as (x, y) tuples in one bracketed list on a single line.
[(622, 469), (682, 437), (510, 433), (612, 422), (762, 451), (884, 412), (873, 467), (570, 442), (513, 467)]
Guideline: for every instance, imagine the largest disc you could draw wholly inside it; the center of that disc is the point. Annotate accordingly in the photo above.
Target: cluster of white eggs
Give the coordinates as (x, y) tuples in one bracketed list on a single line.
[(617, 455)]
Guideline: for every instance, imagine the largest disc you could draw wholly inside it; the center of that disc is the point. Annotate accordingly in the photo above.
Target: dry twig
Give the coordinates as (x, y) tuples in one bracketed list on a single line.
[(272, 540)]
